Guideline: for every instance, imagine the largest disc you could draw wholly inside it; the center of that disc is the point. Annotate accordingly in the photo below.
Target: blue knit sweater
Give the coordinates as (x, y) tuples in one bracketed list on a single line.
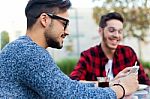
[(27, 71)]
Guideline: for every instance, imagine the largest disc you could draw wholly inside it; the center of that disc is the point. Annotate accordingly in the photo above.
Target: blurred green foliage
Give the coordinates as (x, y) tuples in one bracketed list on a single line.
[(4, 38), (67, 64), (146, 64)]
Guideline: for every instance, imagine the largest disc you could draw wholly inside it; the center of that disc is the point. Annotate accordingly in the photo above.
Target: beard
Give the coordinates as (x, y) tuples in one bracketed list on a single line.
[(53, 43), (51, 38)]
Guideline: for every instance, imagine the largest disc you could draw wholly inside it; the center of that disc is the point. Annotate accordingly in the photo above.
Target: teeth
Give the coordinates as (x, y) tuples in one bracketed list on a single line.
[(114, 41)]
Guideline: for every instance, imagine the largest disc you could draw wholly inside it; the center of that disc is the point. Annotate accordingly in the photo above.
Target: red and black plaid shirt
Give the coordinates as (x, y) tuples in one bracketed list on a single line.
[(92, 64)]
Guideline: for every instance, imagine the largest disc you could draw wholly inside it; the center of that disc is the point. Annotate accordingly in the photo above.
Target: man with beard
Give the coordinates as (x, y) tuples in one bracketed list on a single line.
[(108, 57), (27, 70)]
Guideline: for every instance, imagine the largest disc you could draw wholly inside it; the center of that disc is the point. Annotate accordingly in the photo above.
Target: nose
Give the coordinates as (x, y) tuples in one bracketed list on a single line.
[(116, 34), (66, 31)]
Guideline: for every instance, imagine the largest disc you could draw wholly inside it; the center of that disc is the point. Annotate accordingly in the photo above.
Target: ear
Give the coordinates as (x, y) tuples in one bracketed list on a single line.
[(100, 31), (44, 20)]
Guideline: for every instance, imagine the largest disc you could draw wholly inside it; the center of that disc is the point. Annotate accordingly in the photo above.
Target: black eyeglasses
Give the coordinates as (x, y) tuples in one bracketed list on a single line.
[(112, 30), (65, 21)]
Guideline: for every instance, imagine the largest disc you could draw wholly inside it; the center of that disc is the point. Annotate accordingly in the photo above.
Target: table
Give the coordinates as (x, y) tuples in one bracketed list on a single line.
[(140, 94), (143, 94)]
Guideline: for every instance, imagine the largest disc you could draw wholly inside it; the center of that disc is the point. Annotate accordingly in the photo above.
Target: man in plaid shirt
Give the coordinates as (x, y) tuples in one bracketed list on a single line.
[(108, 57)]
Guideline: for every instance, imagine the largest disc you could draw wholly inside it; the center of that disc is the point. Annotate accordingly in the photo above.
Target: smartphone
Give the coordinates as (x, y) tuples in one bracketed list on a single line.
[(134, 69)]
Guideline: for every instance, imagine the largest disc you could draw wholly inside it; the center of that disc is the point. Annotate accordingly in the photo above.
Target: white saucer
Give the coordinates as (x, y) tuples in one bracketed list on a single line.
[(142, 86)]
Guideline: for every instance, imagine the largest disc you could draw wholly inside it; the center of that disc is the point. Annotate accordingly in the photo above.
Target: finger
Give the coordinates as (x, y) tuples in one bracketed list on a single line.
[(119, 75), (127, 69), (122, 75), (134, 76)]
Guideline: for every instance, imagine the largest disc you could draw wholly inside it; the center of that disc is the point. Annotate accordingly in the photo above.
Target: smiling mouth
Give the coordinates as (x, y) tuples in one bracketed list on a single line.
[(114, 42)]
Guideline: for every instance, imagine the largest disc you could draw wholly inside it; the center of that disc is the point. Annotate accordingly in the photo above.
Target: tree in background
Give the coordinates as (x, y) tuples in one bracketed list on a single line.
[(136, 13), (4, 38)]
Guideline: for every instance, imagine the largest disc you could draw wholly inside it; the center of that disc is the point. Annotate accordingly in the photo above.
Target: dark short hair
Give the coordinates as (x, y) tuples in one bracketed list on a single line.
[(35, 8), (110, 16)]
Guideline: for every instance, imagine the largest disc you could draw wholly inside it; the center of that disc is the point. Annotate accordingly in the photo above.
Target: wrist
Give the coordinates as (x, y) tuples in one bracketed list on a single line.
[(120, 92), (123, 89)]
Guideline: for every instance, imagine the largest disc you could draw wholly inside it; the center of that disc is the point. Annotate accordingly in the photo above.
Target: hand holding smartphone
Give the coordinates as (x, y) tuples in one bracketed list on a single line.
[(134, 69)]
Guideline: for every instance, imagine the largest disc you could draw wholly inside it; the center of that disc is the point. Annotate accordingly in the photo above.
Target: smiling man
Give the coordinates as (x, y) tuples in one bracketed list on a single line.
[(109, 55)]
